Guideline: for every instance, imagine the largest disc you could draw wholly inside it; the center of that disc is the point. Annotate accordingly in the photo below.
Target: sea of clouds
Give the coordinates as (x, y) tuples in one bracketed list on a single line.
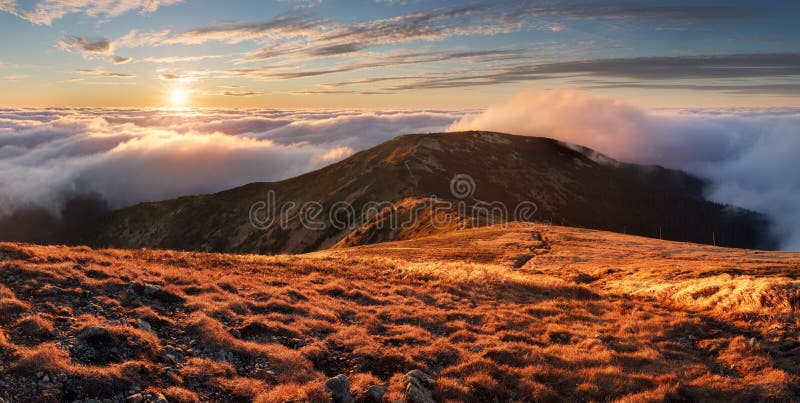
[(751, 156), (126, 156)]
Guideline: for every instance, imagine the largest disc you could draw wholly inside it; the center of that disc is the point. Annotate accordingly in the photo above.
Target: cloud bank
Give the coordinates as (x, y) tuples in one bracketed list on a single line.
[(750, 155), (126, 156)]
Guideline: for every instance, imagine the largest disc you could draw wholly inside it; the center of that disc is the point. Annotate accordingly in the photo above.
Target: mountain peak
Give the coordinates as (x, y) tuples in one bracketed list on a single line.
[(404, 179)]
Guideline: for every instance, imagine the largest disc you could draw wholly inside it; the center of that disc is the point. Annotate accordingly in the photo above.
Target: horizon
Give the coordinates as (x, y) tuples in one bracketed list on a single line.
[(742, 153)]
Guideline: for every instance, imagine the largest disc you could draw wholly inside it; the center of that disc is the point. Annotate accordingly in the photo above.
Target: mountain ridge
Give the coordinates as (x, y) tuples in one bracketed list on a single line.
[(569, 185)]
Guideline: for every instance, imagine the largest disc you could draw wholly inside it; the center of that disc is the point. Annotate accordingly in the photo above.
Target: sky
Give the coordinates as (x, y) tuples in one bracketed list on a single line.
[(395, 53), (272, 89)]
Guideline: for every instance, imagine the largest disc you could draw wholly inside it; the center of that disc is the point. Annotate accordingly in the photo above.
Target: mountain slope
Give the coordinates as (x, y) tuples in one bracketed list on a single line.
[(569, 185), (529, 313)]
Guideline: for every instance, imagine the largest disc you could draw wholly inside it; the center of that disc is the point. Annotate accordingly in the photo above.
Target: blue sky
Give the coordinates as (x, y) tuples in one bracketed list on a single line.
[(395, 53)]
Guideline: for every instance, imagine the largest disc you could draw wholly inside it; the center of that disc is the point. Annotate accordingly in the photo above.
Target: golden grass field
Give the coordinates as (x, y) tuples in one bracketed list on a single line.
[(524, 313)]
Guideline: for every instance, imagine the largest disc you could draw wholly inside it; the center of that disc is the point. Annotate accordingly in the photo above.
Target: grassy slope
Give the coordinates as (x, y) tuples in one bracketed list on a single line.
[(522, 313)]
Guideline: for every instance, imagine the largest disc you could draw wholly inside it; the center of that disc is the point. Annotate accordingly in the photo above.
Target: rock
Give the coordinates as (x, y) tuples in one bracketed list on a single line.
[(375, 393), (150, 289), (339, 388), (222, 354), (92, 331), (419, 387), (145, 325), (159, 398)]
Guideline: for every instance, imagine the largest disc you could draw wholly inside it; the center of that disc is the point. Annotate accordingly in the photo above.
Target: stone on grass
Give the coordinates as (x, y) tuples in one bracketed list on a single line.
[(339, 388)]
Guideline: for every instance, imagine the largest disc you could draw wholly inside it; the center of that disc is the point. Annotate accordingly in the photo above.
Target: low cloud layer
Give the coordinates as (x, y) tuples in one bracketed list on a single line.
[(126, 156), (750, 155)]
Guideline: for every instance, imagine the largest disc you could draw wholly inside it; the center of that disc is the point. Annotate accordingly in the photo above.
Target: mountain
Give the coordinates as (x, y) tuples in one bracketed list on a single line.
[(566, 184)]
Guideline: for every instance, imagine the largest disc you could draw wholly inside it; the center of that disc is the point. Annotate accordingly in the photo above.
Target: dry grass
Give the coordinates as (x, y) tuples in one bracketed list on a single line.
[(527, 313)]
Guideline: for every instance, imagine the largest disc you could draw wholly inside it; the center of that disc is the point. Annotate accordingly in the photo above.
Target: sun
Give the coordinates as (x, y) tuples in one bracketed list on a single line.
[(179, 97)]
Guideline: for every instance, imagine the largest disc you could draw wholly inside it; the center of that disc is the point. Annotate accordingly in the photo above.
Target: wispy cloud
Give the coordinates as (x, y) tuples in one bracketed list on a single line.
[(339, 92), (179, 59), (628, 10), (183, 77), (270, 72), (430, 25), (103, 73), (485, 18), (241, 93), (283, 26), (120, 60), (88, 46), (463, 80), (93, 48), (301, 33), (292, 24), (305, 44), (682, 67), (372, 80), (136, 38), (44, 12), (787, 89), (8, 5), (708, 72)]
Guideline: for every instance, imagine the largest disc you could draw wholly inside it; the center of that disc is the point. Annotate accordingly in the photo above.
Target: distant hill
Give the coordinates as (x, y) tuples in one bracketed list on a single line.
[(569, 185)]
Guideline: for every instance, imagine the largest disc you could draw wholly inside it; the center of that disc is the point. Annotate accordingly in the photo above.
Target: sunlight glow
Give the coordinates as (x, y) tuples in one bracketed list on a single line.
[(179, 97)]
